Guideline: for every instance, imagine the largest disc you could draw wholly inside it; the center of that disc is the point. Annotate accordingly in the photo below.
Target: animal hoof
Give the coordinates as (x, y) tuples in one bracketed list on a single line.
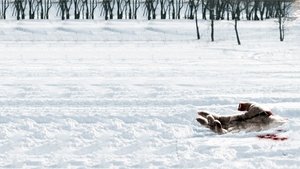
[(202, 120), (203, 114), (210, 119)]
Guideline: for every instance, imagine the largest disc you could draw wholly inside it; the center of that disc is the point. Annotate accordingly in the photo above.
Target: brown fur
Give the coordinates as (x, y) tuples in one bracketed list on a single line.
[(255, 118)]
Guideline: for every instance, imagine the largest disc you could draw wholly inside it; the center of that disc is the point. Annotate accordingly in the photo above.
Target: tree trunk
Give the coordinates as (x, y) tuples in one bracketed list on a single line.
[(42, 10), (23, 13), (68, 15), (212, 30), (106, 14), (203, 10), (111, 16), (18, 14), (281, 30), (256, 18), (236, 31), (63, 15), (130, 11), (197, 27)]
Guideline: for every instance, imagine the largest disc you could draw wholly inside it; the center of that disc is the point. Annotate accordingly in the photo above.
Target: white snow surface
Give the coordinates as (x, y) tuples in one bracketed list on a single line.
[(96, 94)]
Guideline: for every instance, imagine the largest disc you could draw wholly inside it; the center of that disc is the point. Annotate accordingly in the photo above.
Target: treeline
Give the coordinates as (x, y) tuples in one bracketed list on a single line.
[(135, 9), (238, 9)]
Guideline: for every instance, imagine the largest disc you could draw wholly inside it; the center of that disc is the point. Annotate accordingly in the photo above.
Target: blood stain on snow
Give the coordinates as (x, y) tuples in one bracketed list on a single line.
[(272, 137)]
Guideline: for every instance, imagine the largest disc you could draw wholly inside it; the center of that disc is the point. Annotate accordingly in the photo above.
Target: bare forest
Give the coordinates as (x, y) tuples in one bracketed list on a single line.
[(149, 9), (211, 10)]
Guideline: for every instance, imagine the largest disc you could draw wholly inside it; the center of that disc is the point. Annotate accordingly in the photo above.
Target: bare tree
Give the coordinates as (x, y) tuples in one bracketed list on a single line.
[(105, 5), (283, 8), (172, 5), (190, 9), (163, 8), (129, 8), (93, 6), (45, 6), (85, 9), (108, 6), (262, 8), (204, 6), (237, 8), (179, 6), (88, 7), (176, 7), (78, 5), (20, 7), (148, 8), (136, 5), (210, 5), (132, 6), (153, 8), (196, 18), (247, 4), (220, 9), (121, 5), (212, 18), (33, 4), (64, 7), (68, 7), (4, 7)]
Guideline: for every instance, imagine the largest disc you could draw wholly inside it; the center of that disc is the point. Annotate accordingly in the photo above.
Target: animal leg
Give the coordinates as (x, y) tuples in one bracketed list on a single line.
[(218, 127), (205, 114), (213, 122), (202, 120)]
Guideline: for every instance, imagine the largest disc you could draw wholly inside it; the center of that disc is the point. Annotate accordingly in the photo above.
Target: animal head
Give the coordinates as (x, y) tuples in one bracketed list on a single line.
[(244, 106)]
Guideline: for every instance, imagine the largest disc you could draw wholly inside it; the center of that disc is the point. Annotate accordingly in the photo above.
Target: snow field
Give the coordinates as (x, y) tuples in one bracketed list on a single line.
[(70, 99)]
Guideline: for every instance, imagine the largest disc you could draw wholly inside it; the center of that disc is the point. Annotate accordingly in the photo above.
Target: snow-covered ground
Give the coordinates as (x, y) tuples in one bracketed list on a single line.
[(125, 93)]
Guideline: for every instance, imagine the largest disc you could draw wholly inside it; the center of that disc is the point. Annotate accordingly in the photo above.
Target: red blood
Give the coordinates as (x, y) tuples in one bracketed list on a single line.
[(272, 137), (269, 136)]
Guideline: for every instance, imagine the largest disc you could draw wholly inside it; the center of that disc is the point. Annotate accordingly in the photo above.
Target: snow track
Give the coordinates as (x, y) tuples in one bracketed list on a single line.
[(131, 103)]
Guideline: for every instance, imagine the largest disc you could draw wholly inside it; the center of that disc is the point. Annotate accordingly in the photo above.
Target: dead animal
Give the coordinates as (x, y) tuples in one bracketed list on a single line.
[(256, 118)]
